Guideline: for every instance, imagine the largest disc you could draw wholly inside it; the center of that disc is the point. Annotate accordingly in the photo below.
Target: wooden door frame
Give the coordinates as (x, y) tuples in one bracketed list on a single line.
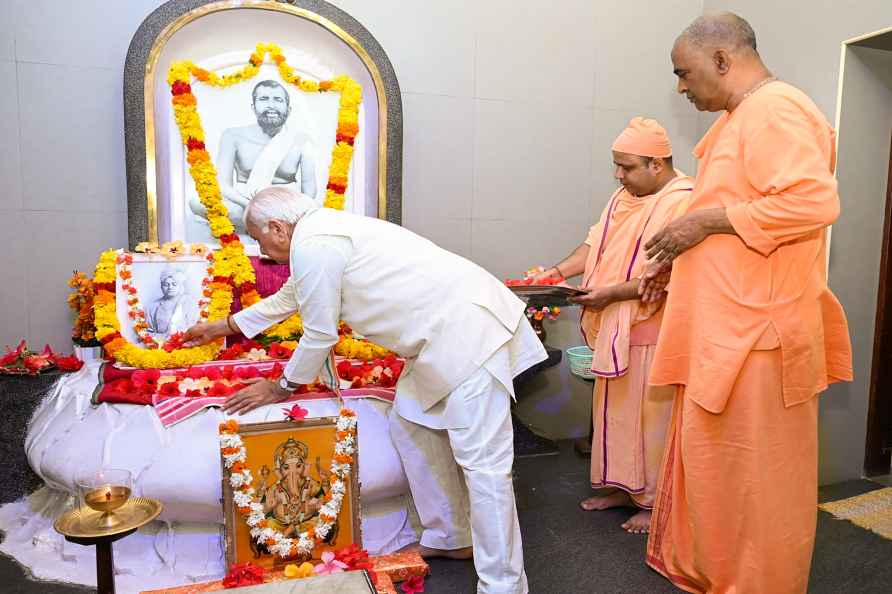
[(878, 453)]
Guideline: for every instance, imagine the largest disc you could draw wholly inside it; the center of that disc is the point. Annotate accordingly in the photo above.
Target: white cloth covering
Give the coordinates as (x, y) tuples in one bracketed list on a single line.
[(179, 466)]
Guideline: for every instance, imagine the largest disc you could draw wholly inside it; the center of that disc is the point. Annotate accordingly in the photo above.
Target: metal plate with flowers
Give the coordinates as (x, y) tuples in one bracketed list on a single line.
[(540, 295)]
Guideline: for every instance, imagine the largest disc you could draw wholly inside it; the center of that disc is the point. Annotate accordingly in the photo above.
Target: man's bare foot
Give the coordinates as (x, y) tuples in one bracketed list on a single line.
[(428, 552), (639, 523), (600, 502)]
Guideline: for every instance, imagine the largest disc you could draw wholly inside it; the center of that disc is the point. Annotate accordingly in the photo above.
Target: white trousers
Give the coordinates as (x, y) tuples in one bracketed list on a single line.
[(461, 483)]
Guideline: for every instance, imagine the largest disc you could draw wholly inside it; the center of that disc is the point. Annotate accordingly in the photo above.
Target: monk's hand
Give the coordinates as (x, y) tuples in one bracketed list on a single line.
[(259, 392), (652, 287), (676, 238), (597, 298), (205, 332)]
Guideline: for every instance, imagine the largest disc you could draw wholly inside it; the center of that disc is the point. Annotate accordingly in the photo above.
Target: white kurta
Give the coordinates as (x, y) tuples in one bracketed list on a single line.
[(447, 316), (464, 336)]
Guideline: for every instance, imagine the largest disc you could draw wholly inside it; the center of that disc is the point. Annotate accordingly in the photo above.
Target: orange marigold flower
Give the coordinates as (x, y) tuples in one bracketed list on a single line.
[(105, 298), (184, 99), (348, 128), (198, 156), (230, 426)]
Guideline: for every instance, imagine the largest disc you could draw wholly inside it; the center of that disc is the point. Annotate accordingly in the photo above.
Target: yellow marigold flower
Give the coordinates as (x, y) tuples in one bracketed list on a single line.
[(198, 249), (309, 86), (179, 71), (146, 247), (173, 249), (296, 572)]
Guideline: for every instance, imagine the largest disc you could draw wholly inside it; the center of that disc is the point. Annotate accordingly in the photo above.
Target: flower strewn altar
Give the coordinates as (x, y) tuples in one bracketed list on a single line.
[(153, 406), (179, 465)]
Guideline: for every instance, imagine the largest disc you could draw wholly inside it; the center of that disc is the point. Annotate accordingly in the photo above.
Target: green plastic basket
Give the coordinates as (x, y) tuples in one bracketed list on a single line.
[(580, 359)]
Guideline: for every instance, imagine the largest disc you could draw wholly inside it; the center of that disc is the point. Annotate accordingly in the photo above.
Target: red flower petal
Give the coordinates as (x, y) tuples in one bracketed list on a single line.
[(179, 88), (295, 413)]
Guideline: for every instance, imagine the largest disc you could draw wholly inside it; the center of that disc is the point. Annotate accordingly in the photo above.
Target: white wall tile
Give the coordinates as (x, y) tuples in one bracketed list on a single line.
[(72, 138), (535, 51), (635, 39), (8, 12), (430, 43), (507, 248), (438, 155), (10, 157), (67, 242), (13, 261), (532, 161), (82, 33), (450, 234)]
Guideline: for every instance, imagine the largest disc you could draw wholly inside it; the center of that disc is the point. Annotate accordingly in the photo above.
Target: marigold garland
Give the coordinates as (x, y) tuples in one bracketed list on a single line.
[(232, 268), (231, 257), (235, 455), (81, 302)]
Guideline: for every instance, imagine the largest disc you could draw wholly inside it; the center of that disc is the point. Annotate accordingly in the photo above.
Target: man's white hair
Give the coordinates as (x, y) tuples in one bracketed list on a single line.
[(280, 203)]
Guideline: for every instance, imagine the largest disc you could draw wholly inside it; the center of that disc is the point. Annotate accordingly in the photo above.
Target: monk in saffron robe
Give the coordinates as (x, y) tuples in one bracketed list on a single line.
[(630, 418), (751, 332)]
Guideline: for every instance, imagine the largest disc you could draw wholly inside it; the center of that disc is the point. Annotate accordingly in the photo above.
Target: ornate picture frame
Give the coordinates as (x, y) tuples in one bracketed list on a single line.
[(282, 457), (159, 40)]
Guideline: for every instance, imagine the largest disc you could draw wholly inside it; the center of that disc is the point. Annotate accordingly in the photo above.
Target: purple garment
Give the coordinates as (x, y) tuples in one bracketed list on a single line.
[(270, 277)]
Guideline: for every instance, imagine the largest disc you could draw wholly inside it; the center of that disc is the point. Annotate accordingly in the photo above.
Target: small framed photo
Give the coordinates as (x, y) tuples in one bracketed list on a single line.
[(290, 465), (165, 293)]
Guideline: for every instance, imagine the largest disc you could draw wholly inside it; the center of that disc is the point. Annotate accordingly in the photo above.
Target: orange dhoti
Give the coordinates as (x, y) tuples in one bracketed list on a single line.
[(736, 510), (630, 423)]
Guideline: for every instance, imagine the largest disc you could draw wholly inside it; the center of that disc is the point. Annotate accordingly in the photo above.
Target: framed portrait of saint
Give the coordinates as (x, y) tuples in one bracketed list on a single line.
[(261, 133), (290, 464), (157, 296)]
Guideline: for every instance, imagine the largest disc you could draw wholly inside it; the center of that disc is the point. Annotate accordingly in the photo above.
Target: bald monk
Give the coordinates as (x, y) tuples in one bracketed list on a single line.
[(630, 418), (751, 331)]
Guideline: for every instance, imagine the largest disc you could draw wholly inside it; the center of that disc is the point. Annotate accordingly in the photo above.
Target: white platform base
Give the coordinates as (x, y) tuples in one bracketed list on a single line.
[(179, 466)]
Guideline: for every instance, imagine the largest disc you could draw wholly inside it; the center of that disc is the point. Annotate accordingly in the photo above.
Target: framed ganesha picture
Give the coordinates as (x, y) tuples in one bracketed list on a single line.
[(290, 490)]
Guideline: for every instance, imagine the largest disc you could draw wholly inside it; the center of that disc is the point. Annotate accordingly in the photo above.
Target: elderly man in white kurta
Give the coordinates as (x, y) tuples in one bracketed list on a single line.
[(463, 334)]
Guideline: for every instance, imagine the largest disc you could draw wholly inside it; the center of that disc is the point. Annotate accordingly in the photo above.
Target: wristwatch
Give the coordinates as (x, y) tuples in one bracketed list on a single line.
[(286, 385)]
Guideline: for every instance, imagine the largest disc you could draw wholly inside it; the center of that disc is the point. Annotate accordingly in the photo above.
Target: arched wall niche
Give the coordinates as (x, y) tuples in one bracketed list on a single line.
[(319, 41)]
